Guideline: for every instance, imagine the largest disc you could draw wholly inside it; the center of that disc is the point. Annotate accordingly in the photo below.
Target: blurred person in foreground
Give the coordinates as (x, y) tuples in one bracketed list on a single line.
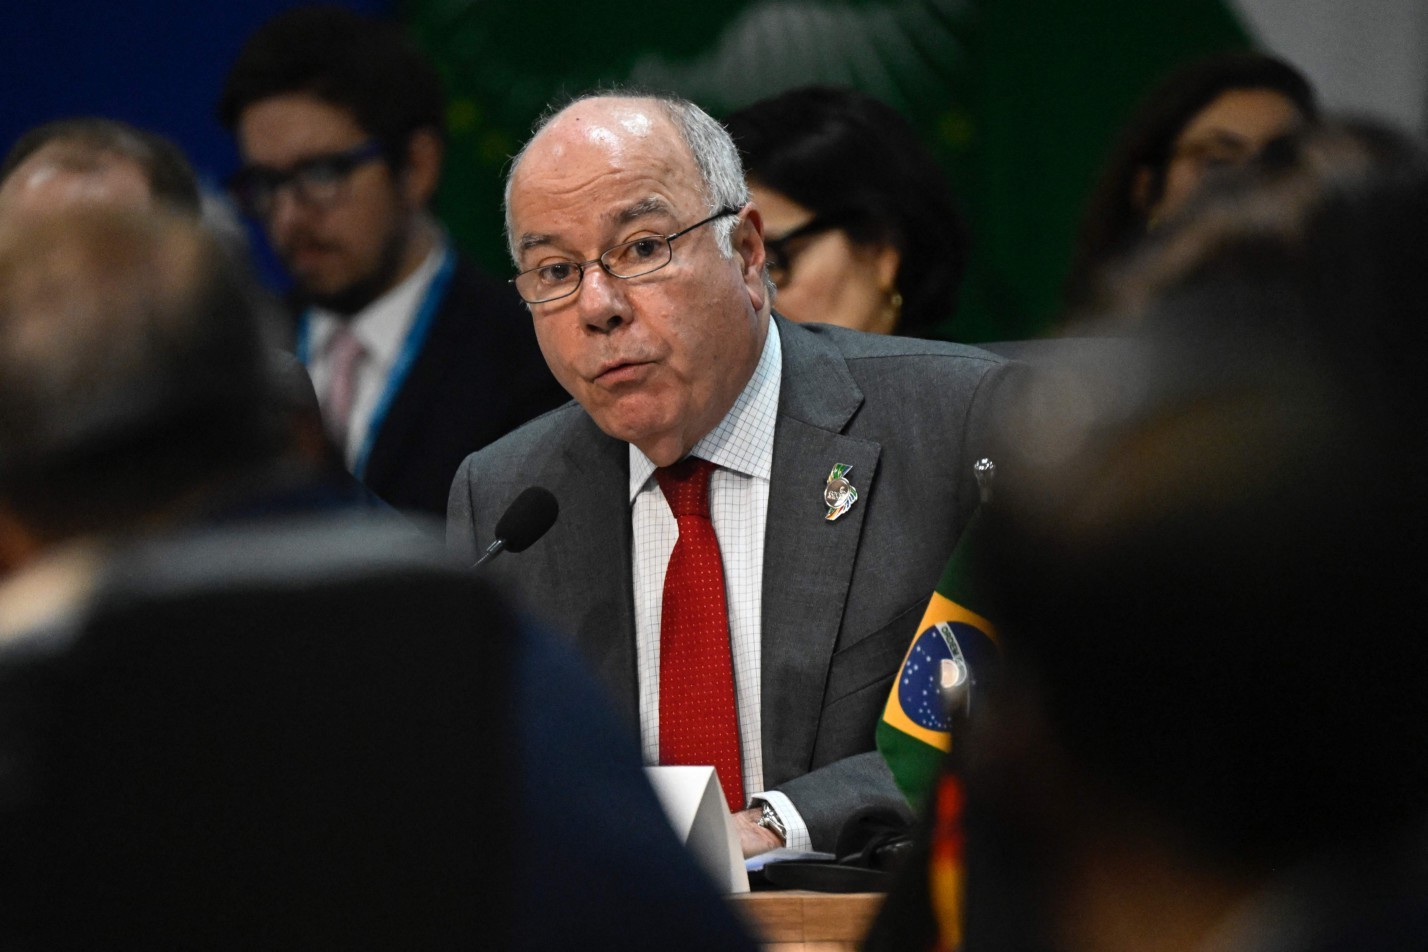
[(418, 358), (752, 510), (92, 159), (1213, 114), (251, 733), (861, 229), (96, 161), (1204, 559)]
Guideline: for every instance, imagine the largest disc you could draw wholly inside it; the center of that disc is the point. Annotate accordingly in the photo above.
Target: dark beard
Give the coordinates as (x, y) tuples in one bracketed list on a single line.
[(357, 295)]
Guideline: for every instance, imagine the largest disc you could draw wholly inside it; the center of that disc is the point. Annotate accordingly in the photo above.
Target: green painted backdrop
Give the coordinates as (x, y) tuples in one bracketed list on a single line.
[(1020, 99)]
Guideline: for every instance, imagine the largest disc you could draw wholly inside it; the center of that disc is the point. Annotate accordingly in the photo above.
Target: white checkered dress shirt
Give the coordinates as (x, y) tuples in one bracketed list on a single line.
[(742, 447)]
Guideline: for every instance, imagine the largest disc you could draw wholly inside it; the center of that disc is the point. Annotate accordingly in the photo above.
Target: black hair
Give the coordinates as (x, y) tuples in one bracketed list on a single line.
[(362, 64), (171, 178), (840, 152), (1114, 219)]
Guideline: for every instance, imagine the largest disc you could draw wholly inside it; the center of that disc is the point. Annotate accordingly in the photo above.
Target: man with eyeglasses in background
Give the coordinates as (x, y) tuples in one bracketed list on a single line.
[(820, 476), (417, 357)]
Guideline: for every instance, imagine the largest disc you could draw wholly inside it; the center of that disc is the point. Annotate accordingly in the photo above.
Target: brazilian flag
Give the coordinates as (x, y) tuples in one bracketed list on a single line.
[(914, 733)]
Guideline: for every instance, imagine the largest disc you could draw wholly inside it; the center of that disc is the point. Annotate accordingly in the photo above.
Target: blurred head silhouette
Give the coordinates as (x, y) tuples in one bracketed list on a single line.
[(95, 160), (132, 373), (1206, 549)]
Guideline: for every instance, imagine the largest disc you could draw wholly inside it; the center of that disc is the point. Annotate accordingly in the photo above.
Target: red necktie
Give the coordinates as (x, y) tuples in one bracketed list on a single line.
[(698, 721)]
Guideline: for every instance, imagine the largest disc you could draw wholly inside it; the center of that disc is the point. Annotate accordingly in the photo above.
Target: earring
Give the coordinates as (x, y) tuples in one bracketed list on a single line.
[(896, 306), (891, 314)]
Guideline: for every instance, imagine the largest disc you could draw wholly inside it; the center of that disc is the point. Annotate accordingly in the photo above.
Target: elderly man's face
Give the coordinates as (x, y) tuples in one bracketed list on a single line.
[(60, 174), (656, 360)]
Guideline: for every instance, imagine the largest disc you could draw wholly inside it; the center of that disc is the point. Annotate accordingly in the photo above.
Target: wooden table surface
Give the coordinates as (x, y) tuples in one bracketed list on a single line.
[(795, 920)]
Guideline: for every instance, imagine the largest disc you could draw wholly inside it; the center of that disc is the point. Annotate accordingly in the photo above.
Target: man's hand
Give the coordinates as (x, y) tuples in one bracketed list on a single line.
[(753, 838)]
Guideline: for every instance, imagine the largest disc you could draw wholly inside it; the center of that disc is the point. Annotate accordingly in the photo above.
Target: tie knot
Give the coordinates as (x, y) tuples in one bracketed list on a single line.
[(344, 346), (686, 486)]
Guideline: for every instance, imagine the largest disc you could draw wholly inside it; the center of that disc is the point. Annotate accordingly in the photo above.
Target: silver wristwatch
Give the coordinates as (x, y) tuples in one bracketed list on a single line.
[(769, 820)]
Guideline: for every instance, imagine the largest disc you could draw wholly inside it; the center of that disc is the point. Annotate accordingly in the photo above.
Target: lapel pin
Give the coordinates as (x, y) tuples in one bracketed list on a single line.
[(839, 494), (985, 471)]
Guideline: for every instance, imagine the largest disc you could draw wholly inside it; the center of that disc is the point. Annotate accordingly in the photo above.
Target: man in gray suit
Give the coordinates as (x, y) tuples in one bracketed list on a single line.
[(842, 469)]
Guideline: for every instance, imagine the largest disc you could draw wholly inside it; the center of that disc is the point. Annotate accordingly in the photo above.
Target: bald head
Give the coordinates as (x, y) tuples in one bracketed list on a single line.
[(607, 129), (97, 162), (62, 174), (608, 123), (605, 139)]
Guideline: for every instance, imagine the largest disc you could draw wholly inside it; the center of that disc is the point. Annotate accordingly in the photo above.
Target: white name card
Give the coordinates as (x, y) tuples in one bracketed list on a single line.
[(694, 803)]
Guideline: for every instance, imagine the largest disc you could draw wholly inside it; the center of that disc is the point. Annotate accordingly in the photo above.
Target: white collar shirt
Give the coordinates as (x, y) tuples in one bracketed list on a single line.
[(741, 446), (382, 327)]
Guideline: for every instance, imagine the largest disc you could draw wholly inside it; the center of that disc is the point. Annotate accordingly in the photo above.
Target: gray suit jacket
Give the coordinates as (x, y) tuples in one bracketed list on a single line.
[(842, 598)]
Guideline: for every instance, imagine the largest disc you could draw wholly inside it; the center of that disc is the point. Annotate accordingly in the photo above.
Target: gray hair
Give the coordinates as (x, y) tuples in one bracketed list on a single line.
[(716, 157)]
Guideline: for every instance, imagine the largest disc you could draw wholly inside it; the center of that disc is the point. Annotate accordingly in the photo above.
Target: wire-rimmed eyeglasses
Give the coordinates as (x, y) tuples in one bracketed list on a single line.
[(648, 253)]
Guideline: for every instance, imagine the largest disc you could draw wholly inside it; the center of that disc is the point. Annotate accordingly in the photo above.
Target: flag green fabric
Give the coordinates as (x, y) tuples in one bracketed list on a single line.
[(913, 735)]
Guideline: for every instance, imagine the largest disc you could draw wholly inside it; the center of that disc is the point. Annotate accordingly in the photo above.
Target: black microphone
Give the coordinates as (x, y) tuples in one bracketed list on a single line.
[(528, 518)]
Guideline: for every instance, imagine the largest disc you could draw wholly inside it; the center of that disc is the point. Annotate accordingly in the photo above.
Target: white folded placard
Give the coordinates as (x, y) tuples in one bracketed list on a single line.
[(695, 805)]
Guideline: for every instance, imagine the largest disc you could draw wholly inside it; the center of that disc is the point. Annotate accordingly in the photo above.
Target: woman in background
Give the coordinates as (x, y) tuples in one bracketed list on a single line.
[(859, 224), (1214, 113)]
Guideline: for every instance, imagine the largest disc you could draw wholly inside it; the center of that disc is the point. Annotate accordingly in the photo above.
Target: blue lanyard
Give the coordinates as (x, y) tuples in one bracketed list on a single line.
[(411, 348)]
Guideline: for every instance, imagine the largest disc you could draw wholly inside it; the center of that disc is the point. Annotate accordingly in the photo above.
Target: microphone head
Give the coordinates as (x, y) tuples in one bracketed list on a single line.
[(528, 518)]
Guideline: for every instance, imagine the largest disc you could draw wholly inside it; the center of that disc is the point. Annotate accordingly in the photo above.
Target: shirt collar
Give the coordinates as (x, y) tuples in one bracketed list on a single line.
[(743, 440), (382, 325)]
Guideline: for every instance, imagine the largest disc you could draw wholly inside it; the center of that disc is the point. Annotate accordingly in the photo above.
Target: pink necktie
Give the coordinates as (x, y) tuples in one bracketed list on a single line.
[(345, 354), (698, 721)]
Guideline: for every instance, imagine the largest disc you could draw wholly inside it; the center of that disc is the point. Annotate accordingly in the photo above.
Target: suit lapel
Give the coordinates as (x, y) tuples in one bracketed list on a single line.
[(591, 579), (808, 561)]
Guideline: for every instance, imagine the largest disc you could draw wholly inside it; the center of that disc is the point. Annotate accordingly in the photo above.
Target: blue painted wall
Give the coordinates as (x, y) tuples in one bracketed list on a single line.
[(155, 64)]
